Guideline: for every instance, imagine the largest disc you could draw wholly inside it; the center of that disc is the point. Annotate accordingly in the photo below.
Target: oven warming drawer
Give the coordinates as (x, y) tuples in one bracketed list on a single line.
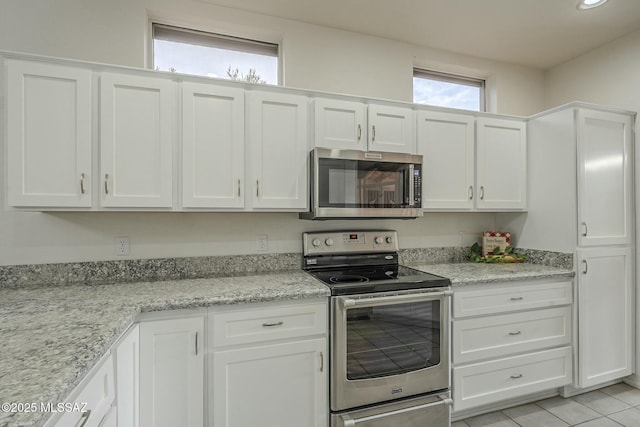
[(432, 410)]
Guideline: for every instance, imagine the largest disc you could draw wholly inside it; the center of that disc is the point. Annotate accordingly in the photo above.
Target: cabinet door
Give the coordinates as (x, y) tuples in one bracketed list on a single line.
[(605, 181), (446, 142), (136, 134), (48, 135), (128, 378), (280, 385), (391, 129), (605, 340), (501, 164), (340, 124), (172, 373), (278, 151), (212, 146)]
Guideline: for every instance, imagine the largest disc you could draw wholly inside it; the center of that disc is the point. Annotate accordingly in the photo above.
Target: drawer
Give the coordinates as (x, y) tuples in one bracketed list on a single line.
[(489, 382), (507, 334), (510, 297), (264, 324), (98, 394)]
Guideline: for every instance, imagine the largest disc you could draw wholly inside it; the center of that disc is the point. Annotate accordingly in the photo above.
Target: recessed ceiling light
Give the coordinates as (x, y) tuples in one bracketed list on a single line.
[(590, 4)]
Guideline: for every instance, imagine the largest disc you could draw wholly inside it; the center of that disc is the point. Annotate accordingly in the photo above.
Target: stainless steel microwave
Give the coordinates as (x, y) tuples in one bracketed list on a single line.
[(349, 184)]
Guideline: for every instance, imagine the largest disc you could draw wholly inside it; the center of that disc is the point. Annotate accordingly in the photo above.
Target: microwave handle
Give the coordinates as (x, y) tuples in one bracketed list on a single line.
[(411, 185)]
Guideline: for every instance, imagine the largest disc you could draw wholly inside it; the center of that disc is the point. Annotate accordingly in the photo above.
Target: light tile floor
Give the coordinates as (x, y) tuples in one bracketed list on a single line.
[(613, 406)]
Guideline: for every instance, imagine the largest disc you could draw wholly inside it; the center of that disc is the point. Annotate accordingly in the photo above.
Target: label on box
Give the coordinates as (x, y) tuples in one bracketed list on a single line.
[(495, 239)]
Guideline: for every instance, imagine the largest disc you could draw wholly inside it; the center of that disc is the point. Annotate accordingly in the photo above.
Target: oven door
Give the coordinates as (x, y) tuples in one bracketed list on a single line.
[(388, 346)]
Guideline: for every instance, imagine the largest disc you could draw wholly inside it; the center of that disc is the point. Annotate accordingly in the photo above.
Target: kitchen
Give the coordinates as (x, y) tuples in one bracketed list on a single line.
[(34, 238)]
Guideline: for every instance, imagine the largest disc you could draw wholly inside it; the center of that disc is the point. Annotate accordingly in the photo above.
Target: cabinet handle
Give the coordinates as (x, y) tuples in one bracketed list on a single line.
[(359, 132), (257, 188), (481, 192), (515, 377), (269, 325), (471, 192), (196, 343), (586, 266), (84, 418), (373, 133), (106, 183), (517, 298), (515, 333), (584, 229), (82, 183), (321, 362), (238, 188)]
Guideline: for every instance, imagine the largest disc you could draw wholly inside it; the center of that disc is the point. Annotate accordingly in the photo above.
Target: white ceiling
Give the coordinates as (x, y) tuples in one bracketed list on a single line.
[(537, 33)]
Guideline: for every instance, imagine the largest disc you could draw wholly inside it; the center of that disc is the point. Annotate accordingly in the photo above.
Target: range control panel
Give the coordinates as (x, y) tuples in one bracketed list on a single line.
[(337, 242)]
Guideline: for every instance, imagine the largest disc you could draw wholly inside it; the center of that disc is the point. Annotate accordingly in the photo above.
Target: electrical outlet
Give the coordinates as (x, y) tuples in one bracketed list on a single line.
[(262, 242), (122, 246)]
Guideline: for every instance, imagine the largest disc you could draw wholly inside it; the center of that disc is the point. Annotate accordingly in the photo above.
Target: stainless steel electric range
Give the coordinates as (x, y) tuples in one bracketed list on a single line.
[(389, 342)]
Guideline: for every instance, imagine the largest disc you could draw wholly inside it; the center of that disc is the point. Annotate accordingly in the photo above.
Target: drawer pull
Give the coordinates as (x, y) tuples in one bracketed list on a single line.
[(515, 377), (515, 333), (517, 298), (84, 418), (270, 325)]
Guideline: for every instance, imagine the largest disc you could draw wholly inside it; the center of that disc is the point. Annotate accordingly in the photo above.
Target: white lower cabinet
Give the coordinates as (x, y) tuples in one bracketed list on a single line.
[(98, 393), (172, 372), (510, 340), (127, 353), (269, 366)]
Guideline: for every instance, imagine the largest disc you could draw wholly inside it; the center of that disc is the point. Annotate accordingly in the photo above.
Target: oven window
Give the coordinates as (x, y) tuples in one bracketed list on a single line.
[(362, 184), (391, 340)]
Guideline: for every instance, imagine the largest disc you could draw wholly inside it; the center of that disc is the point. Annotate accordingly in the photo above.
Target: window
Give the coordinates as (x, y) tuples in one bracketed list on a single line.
[(447, 90), (214, 55)]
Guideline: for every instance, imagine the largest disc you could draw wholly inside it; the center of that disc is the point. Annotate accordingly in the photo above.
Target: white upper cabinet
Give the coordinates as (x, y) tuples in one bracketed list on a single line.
[(501, 164), (447, 143), (367, 127), (605, 211), (48, 135), (391, 129), (340, 124), (277, 151), (137, 118), (212, 146)]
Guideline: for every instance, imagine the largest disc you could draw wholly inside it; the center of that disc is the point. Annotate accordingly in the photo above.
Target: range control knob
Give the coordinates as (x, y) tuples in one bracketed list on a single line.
[(315, 243), (389, 239), (329, 242), (379, 240)]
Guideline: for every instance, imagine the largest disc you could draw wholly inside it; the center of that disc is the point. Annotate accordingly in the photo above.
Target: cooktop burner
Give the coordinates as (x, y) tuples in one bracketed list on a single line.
[(362, 262)]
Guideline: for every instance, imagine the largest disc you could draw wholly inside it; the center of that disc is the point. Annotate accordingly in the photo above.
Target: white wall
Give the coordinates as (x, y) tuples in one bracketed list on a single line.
[(116, 31)]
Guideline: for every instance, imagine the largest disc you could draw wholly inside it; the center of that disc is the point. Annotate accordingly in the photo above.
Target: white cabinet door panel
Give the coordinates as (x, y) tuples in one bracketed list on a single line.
[(172, 373), (212, 146), (128, 378), (137, 116), (446, 142), (605, 315), (605, 178), (391, 129), (48, 135), (340, 124), (501, 164), (279, 385), (278, 151)]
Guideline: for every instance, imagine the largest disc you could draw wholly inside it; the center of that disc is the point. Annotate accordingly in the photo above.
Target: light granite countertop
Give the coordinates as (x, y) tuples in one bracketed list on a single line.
[(469, 273), (51, 336)]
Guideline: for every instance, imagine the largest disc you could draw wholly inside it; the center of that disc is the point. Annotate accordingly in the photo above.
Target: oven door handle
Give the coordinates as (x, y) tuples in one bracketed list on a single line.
[(382, 300), (354, 422)]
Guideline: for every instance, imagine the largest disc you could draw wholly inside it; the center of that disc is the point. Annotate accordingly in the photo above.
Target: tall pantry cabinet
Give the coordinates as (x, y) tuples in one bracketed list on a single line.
[(586, 151)]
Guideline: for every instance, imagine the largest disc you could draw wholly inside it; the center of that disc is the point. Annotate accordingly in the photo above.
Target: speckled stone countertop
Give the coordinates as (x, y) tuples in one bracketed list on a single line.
[(51, 336), (469, 273)]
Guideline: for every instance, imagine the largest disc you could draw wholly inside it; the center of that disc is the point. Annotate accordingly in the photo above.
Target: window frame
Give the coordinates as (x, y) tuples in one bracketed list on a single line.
[(455, 79), (186, 34)]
